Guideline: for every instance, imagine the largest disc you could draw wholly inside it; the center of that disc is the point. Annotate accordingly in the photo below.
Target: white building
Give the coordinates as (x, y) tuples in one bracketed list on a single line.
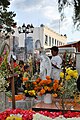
[(45, 35), (48, 37)]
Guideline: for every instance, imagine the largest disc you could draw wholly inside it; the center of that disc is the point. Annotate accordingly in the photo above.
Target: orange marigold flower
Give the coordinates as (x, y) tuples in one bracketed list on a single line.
[(49, 89), (38, 80), (42, 82), (35, 88), (47, 77), (34, 83), (56, 81), (55, 86), (54, 95), (49, 81), (42, 91), (25, 78)]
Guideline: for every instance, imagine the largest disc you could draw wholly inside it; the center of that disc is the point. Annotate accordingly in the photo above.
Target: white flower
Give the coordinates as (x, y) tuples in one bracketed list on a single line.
[(3, 84)]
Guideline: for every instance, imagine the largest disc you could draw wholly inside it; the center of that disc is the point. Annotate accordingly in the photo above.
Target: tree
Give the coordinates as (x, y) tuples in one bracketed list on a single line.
[(76, 5), (6, 18)]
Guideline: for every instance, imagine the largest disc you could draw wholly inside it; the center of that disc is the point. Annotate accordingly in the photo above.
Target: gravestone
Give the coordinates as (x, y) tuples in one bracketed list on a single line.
[(78, 62)]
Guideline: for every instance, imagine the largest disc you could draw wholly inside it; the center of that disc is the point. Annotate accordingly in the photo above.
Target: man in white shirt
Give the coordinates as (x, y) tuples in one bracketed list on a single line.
[(56, 62)]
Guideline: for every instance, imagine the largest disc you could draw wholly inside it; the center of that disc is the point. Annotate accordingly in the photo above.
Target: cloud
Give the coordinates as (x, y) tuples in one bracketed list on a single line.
[(51, 13), (27, 5), (43, 12)]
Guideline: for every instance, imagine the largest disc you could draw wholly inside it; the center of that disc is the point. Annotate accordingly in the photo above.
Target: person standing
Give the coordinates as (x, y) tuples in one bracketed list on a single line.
[(56, 62)]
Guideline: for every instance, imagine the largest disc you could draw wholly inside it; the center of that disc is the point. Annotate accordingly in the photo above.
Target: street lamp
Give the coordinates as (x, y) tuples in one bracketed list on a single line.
[(26, 29)]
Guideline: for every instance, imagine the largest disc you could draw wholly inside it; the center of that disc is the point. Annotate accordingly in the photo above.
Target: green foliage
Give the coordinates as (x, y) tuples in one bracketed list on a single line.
[(6, 17), (4, 3)]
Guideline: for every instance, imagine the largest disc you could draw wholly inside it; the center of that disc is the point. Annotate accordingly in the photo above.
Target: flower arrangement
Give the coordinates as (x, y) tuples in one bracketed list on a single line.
[(38, 87), (43, 86)]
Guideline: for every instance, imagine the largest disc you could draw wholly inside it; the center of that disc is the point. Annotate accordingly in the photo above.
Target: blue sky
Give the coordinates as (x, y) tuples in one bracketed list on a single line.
[(45, 12)]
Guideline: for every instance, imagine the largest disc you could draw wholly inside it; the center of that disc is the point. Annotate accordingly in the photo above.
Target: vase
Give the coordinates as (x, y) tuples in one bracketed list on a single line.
[(47, 98)]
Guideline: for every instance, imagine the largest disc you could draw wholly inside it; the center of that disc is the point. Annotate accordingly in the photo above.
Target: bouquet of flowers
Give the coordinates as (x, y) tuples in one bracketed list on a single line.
[(43, 86)]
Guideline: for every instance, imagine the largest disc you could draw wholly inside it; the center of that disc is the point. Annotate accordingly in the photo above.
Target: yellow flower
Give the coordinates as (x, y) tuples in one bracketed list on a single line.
[(14, 118), (70, 72), (68, 77), (25, 91), (67, 70), (75, 75), (32, 92), (61, 75)]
